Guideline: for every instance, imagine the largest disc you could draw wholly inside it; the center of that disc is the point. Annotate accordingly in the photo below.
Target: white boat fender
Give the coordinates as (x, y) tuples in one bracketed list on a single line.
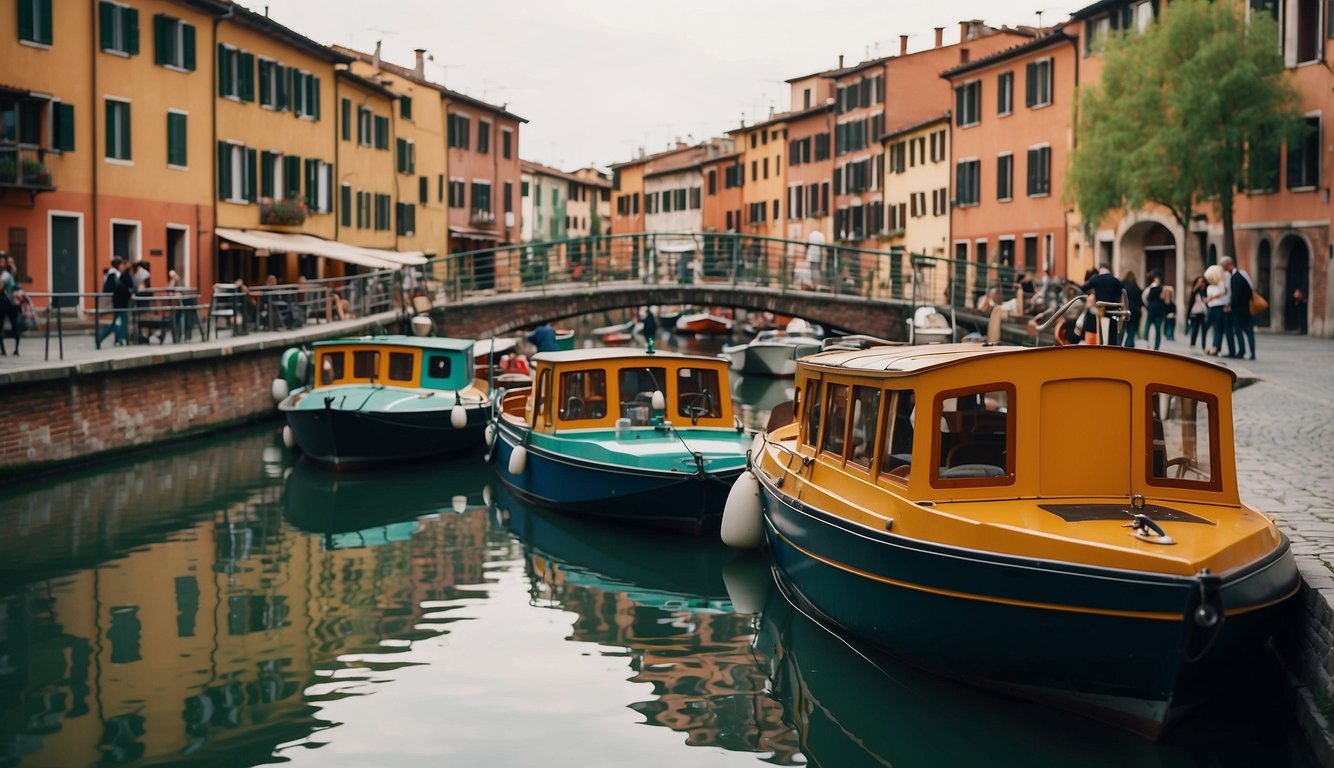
[(289, 439), (280, 389), (486, 494), (518, 460), (458, 416), (459, 504), (490, 434), (748, 582), (743, 522)]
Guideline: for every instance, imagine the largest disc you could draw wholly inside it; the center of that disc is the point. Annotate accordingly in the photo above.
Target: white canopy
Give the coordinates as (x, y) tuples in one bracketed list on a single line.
[(282, 242)]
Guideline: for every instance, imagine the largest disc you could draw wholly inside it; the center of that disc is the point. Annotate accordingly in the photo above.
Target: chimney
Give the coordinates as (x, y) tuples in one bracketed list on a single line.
[(940, 36), (903, 45), (375, 57), (840, 61), (963, 55), (964, 28), (420, 69)]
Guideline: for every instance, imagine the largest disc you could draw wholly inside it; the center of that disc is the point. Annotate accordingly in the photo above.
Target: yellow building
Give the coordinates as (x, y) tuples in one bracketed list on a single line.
[(420, 161), (105, 119), (367, 182), (275, 148)]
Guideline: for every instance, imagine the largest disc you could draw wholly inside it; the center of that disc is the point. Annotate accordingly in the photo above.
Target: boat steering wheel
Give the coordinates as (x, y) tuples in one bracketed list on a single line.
[(697, 404)]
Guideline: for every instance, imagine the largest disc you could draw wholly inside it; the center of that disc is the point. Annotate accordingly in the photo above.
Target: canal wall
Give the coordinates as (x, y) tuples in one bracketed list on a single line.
[(85, 409)]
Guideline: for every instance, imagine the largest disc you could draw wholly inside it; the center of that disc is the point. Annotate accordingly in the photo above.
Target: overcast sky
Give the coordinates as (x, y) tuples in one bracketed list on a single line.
[(598, 79)]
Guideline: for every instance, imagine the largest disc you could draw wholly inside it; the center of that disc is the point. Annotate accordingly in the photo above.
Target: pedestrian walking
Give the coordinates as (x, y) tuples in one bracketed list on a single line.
[(9, 303), (1154, 307), (1197, 317), (1106, 287), (1134, 305), (1243, 325), (1218, 298), (1169, 312)]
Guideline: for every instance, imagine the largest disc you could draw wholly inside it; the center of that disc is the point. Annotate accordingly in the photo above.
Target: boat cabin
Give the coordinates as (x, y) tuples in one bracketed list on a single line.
[(964, 422), (615, 388), (395, 361)]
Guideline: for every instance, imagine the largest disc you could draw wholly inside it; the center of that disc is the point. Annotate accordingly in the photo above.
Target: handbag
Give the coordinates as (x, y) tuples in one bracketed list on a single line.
[(1258, 303)]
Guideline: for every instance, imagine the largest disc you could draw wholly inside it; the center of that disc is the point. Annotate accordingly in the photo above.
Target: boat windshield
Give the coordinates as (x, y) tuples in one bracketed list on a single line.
[(698, 393), (637, 386), (974, 446), (583, 394), (1183, 428)]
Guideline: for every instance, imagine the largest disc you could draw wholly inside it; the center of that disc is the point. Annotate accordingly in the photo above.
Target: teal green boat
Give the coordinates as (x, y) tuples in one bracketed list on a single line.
[(625, 435), (352, 403)]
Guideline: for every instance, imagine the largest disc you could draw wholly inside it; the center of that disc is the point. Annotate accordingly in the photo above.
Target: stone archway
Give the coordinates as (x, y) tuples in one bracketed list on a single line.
[(1149, 246), (1292, 278)]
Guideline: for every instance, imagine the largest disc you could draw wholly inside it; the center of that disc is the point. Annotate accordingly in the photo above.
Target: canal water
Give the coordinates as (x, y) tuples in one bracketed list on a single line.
[(218, 603)]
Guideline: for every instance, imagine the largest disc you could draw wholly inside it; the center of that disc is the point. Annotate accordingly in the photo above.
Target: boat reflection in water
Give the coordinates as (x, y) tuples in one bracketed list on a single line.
[(368, 509), (852, 705), (755, 397), (665, 604)]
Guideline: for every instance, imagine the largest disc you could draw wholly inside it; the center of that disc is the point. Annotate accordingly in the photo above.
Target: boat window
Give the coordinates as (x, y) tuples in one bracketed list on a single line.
[(583, 395), (976, 431), (438, 366), (331, 367), (836, 397), (698, 394), (1183, 430), (364, 363), (543, 394), (896, 456), (400, 366), (812, 432), (865, 418), (637, 386)]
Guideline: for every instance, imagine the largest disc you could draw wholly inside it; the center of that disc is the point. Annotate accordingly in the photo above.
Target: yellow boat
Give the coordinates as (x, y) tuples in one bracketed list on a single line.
[(1060, 523)]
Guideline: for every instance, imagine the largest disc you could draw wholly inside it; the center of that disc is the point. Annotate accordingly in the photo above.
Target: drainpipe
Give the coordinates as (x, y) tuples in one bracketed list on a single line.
[(1074, 140), (337, 194), (213, 148), (92, 153)]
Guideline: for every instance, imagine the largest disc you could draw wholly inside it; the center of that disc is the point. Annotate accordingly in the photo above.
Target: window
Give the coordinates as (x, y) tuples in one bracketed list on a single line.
[(836, 423), (118, 130), (62, 126), (118, 28), (975, 443), (698, 394), (1038, 83), (236, 73), (365, 126), (481, 197), (406, 156), (896, 453), (423, 189), (1005, 93), (967, 182), (35, 21), (237, 165), (345, 115), (306, 97), (319, 183), (811, 430), (405, 107), (176, 139), (460, 126), (438, 367), (1096, 40), (1039, 171), (381, 132), (582, 395), (383, 212), (509, 197), (865, 419), (401, 367), (637, 386), (1183, 428), (364, 363), (1143, 15), (273, 85), (407, 218), (1005, 176), (483, 136), (173, 42), (124, 634), (506, 143), (345, 205), (968, 103), (1304, 157)]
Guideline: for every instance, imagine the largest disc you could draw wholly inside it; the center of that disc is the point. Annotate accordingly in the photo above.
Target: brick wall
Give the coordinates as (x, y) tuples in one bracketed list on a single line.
[(88, 413)]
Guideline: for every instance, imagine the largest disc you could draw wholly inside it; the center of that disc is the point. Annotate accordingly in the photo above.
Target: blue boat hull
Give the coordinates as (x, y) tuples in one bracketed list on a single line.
[(684, 501), (355, 439), (1120, 646)]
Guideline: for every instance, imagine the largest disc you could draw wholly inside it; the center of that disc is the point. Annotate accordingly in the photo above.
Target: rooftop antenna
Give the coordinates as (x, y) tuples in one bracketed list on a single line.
[(1039, 13)]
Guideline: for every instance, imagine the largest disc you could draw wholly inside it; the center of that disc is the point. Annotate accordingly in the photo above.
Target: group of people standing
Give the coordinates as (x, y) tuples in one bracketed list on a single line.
[(1220, 302)]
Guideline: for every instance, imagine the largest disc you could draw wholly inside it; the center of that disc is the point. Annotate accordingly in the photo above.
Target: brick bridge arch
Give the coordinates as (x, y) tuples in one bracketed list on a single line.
[(502, 314)]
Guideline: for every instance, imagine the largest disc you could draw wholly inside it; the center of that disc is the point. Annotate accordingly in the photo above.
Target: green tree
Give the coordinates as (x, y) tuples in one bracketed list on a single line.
[(1177, 111)]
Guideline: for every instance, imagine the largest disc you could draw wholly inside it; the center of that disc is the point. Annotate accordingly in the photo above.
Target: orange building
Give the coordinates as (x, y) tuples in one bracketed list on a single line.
[(763, 147), (484, 177), (723, 180), (105, 119), (1010, 137), (810, 173)]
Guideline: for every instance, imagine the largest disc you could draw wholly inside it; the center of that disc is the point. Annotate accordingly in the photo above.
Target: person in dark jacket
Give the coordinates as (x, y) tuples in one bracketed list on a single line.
[(1135, 305), (544, 338), (119, 282), (1105, 287), (1243, 325), (1155, 308)]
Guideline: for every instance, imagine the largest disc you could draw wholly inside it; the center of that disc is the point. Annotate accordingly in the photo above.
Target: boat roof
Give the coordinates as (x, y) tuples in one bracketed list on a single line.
[(595, 354), (918, 358), (401, 340)]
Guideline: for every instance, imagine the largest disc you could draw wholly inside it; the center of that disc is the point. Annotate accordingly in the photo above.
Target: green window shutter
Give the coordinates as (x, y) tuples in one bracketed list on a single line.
[(188, 46), (43, 30), (345, 205), (291, 177), (160, 40), (224, 170), (225, 86), (423, 189), (26, 30), (247, 76), (1030, 82), (265, 83), (130, 20), (312, 183), (315, 97), (251, 160), (64, 126), (266, 174), (345, 114), (176, 135), (106, 25), (381, 132)]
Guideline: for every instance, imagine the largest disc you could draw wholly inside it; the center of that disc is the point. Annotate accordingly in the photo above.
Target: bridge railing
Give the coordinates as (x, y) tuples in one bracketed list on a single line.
[(723, 258)]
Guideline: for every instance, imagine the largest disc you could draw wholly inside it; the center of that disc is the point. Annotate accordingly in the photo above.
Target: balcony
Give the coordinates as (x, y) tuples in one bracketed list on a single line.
[(481, 217), (282, 213), (23, 166)]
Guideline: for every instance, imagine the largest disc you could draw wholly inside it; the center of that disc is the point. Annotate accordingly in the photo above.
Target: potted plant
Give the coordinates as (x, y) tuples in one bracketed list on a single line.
[(34, 172), (8, 171), (285, 213)]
